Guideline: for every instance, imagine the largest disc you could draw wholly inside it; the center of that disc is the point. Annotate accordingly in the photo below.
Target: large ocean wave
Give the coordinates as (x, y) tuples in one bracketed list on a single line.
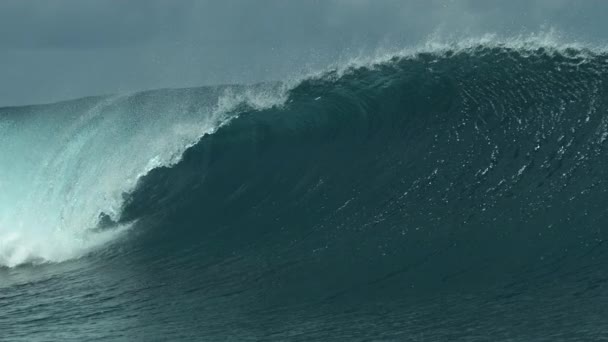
[(415, 192), (440, 113)]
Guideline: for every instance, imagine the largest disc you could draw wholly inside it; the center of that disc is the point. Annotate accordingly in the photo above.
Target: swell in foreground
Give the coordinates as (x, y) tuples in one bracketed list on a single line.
[(447, 195)]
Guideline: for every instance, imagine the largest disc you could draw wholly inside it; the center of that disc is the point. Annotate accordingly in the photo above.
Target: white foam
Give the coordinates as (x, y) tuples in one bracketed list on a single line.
[(23, 247)]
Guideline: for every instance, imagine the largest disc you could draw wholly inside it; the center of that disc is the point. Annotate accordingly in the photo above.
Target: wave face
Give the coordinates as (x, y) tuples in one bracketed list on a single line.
[(400, 200)]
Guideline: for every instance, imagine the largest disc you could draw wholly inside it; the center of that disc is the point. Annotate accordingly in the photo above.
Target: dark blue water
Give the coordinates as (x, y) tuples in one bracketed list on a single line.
[(454, 196)]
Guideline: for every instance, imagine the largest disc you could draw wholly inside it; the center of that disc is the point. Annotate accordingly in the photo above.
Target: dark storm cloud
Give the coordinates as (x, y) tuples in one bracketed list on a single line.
[(53, 50)]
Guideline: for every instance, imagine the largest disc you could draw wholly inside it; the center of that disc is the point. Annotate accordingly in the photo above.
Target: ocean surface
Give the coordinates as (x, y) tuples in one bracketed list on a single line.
[(446, 193)]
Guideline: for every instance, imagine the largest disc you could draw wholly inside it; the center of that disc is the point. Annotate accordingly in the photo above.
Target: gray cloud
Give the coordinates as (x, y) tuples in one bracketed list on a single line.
[(54, 50)]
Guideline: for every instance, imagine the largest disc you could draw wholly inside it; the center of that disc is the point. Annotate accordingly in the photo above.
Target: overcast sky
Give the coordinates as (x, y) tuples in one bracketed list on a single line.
[(54, 50)]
